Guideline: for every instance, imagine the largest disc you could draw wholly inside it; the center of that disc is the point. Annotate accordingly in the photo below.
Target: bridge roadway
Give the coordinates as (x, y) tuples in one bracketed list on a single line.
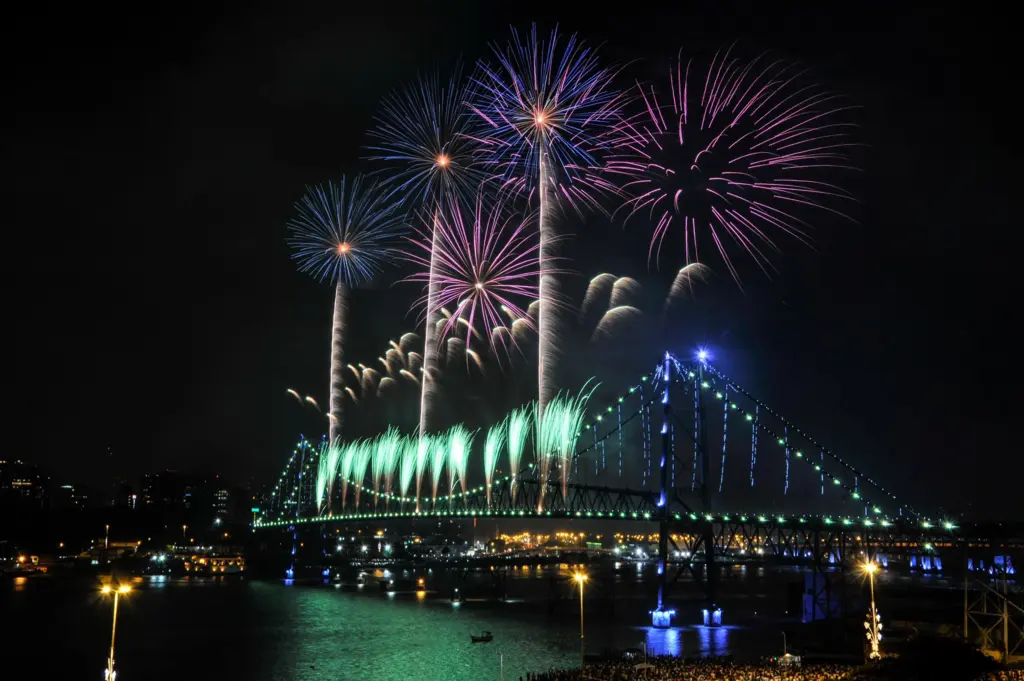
[(823, 541)]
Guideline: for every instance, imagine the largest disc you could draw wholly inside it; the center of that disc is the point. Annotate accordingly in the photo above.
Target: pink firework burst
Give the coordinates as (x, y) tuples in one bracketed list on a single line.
[(486, 263), (732, 155)]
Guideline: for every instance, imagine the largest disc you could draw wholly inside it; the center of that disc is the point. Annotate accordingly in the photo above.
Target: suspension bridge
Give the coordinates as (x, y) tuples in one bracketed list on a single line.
[(720, 472)]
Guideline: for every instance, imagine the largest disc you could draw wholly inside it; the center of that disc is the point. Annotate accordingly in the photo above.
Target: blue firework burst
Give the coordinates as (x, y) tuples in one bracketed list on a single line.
[(422, 133), (345, 234)]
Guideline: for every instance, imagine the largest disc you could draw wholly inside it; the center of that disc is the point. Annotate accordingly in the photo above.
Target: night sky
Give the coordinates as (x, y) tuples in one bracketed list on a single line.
[(154, 161)]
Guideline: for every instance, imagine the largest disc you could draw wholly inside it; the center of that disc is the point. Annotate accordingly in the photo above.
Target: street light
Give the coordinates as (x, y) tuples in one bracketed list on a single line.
[(580, 578), (874, 623), (110, 674)]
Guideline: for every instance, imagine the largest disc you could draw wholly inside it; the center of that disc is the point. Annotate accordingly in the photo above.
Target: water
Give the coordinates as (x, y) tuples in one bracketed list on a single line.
[(235, 629)]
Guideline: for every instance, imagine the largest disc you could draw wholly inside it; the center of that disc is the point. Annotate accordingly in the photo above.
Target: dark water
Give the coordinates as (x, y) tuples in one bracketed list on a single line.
[(234, 629)]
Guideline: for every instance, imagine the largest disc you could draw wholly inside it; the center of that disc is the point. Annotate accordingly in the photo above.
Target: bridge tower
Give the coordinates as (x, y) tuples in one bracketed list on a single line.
[(712, 614), (661, 617)]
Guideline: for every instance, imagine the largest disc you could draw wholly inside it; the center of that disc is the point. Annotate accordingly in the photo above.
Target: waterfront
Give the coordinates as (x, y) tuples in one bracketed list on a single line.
[(216, 628)]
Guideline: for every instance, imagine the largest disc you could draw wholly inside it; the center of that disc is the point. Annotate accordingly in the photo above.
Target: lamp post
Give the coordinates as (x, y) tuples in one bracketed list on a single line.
[(580, 578), (110, 674), (874, 624)]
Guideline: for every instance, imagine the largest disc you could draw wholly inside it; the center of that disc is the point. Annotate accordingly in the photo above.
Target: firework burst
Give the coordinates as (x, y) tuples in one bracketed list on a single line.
[(731, 155), (479, 261), (542, 108), (344, 235)]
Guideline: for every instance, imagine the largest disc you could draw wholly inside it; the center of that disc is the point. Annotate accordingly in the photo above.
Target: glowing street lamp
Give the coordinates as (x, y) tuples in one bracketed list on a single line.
[(110, 674), (874, 623), (580, 578)]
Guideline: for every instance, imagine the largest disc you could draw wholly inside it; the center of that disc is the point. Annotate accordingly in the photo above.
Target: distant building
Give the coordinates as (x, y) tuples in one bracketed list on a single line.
[(122, 496), (72, 497), (23, 484)]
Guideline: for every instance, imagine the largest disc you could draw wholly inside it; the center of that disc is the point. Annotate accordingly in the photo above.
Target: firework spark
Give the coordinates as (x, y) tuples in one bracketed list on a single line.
[(438, 458), (484, 260), (347, 463), (424, 447), (407, 465), (343, 235), (556, 434), (492, 450), (542, 109), (460, 443), (324, 473), (730, 155), (518, 430), (360, 462), (386, 449)]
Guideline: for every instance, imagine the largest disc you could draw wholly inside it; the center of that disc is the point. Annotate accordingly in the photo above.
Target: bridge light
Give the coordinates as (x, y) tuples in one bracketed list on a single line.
[(749, 417), (948, 525), (799, 455)]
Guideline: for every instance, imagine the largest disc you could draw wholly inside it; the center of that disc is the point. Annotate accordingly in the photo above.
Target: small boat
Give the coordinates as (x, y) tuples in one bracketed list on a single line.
[(486, 637)]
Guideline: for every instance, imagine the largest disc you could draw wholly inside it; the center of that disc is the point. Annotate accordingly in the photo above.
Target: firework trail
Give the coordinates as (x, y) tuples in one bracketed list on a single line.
[(729, 155), (411, 376), (421, 136), (424, 446), (294, 394), (541, 110), (366, 383), (556, 434), (438, 458), (518, 431), (407, 465), (360, 462), (684, 281), (343, 235), (597, 288), (614, 319), (480, 260), (310, 400), (625, 290), (496, 437), (460, 442), (385, 385)]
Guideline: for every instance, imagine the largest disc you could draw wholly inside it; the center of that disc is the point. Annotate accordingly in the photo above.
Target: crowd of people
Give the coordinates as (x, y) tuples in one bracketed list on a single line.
[(719, 669), (704, 669)]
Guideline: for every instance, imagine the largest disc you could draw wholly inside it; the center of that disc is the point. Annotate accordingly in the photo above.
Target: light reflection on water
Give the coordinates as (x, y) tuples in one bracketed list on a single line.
[(292, 631)]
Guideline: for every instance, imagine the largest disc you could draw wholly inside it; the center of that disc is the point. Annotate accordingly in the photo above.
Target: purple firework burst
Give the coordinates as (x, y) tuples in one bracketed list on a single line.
[(732, 154), (485, 262)]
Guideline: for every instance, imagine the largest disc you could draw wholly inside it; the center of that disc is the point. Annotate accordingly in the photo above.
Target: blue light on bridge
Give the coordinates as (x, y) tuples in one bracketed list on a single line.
[(662, 619), (712, 618)]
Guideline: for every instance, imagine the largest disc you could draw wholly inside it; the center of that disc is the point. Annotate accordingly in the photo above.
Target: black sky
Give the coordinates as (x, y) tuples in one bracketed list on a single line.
[(153, 161)]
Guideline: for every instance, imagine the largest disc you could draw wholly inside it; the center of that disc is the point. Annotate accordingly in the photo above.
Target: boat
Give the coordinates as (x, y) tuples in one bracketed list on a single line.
[(485, 637)]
